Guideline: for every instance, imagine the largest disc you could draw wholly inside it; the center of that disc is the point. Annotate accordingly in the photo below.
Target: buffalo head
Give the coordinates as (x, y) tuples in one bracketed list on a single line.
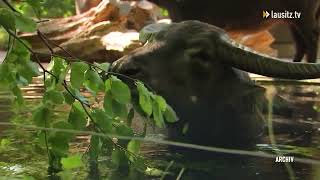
[(200, 72)]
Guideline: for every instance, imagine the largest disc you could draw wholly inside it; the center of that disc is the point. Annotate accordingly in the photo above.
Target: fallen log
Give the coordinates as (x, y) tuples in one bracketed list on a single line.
[(110, 30)]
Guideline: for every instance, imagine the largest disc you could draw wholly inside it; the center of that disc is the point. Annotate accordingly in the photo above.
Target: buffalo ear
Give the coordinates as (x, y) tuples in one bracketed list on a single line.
[(200, 49)]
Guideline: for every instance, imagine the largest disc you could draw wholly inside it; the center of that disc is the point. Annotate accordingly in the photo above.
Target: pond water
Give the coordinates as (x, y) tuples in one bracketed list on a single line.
[(296, 126)]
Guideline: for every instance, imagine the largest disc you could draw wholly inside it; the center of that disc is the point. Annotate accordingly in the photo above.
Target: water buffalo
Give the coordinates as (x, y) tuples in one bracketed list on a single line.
[(200, 71), (247, 15)]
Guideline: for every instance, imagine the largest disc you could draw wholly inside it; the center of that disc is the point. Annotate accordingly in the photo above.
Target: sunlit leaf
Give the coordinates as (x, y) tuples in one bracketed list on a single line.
[(103, 66), (144, 98), (154, 172), (72, 162), (170, 115), (157, 115), (161, 103), (134, 146), (120, 91)]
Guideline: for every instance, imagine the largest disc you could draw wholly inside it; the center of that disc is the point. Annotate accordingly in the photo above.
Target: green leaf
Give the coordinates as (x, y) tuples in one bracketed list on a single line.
[(77, 117), (134, 146), (155, 172), (54, 96), (72, 162), (59, 140), (103, 120), (145, 103), (107, 85), (113, 108), (139, 164), (21, 80), (170, 115), (63, 126), (120, 91), (107, 104), (58, 67), (25, 24), (185, 128), (19, 100), (41, 138), (95, 147), (78, 70), (75, 93), (119, 158), (104, 66), (69, 99), (124, 130), (34, 4), (7, 19), (119, 110), (41, 116), (157, 115), (28, 70), (4, 73), (93, 81), (161, 103), (28, 178), (144, 98)]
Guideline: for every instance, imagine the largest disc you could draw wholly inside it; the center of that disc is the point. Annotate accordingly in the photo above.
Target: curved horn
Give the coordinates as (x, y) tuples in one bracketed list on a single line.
[(240, 57)]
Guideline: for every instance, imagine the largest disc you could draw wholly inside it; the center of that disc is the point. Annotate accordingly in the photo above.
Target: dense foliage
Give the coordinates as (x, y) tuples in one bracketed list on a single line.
[(110, 121)]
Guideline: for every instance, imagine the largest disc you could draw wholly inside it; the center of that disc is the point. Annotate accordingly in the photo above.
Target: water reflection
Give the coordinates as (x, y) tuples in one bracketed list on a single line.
[(296, 125)]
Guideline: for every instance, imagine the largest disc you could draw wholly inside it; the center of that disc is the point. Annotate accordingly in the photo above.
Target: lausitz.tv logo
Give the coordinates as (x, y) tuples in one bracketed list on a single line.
[(281, 15)]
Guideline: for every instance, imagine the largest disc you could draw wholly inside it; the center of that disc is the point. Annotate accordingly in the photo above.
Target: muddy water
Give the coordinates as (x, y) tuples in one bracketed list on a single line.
[(296, 125)]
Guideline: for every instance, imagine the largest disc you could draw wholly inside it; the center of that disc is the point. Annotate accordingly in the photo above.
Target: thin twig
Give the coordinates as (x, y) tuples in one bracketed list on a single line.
[(17, 38), (45, 41)]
